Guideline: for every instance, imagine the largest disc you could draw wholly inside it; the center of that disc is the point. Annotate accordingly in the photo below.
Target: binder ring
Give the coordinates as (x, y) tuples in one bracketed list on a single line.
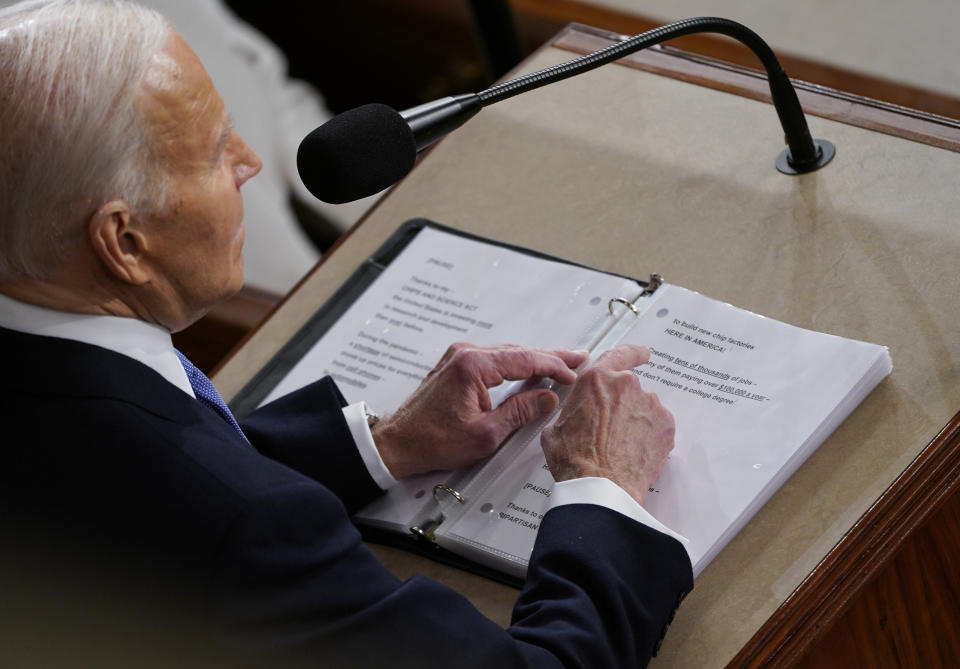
[(427, 530), (439, 488), (623, 301), (656, 280)]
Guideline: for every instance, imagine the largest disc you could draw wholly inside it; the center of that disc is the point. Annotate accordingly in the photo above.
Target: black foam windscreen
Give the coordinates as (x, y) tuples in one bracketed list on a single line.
[(357, 153)]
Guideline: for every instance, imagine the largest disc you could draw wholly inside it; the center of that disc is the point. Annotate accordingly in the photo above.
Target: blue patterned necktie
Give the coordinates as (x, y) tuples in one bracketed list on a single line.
[(205, 391)]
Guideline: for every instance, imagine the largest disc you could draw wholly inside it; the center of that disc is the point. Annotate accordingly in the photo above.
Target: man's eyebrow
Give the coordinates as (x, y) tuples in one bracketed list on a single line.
[(228, 129)]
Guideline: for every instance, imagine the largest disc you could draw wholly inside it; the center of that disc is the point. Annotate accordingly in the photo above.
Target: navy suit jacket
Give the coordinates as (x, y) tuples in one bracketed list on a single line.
[(122, 485)]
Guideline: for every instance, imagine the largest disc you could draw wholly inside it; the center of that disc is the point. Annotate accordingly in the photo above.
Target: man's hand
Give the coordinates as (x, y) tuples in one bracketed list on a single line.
[(448, 421), (611, 427)]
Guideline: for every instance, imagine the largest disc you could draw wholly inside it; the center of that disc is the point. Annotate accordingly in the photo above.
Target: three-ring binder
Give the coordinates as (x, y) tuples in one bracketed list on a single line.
[(426, 530)]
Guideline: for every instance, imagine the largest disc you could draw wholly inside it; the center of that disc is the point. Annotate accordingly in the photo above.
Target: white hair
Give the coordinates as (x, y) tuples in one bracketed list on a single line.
[(71, 136)]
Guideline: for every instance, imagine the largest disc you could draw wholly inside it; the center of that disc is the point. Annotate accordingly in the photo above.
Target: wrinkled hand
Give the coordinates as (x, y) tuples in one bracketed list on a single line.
[(448, 421), (611, 427)]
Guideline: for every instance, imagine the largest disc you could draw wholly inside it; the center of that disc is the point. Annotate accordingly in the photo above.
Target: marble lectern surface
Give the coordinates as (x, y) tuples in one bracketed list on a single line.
[(635, 173)]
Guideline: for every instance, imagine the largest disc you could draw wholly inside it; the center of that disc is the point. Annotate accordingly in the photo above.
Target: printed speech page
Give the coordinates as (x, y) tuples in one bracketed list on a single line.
[(441, 289), (752, 398)]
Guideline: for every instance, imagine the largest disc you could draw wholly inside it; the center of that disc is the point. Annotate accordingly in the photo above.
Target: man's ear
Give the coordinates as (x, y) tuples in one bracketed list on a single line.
[(118, 243)]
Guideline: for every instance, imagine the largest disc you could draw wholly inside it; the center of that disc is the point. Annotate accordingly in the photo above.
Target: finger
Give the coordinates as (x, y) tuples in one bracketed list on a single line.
[(623, 357), (525, 363), (451, 351), (521, 409), (573, 359)]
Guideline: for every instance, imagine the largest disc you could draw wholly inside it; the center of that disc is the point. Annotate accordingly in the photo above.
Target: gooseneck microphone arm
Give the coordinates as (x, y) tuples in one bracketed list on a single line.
[(804, 154), (367, 149)]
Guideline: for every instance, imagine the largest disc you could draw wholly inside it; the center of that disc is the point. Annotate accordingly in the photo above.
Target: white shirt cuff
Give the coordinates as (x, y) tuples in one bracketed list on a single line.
[(606, 493), (356, 417)]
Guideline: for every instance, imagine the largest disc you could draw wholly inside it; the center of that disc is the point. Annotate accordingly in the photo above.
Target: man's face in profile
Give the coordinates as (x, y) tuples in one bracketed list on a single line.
[(196, 241)]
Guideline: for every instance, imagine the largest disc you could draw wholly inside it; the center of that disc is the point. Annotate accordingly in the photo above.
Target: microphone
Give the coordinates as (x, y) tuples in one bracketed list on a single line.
[(364, 150)]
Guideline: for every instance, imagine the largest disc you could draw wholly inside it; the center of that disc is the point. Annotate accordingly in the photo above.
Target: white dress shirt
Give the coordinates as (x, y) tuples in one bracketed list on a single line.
[(152, 345)]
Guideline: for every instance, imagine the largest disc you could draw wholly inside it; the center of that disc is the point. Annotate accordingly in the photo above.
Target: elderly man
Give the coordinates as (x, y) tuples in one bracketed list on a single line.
[(125, 475)]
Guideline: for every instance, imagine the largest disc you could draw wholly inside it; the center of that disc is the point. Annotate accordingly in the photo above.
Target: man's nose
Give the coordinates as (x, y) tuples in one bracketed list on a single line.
[(249, 164)]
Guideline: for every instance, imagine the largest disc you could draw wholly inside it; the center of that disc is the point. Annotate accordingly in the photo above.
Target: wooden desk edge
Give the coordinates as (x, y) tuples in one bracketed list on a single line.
[(825, 593), (817, 100)]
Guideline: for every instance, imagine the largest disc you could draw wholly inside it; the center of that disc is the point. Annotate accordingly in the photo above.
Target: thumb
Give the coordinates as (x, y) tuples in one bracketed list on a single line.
[(523, 408)]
